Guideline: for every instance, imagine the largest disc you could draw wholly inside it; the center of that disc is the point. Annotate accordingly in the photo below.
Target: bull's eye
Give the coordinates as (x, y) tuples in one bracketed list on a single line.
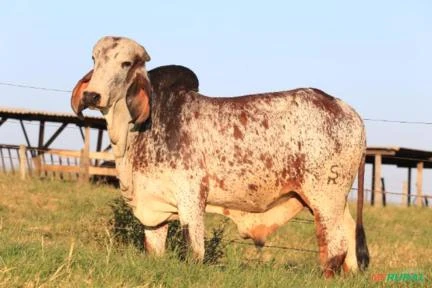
[(93, 59), (126, 64)]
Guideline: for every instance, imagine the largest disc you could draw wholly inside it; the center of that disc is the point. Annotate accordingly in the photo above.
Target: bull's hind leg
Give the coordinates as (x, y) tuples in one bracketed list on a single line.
[(331, 235), (350, 264), (258, 226)]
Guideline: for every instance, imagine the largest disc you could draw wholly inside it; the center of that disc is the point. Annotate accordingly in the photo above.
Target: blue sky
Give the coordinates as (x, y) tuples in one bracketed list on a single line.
[(375, 55)]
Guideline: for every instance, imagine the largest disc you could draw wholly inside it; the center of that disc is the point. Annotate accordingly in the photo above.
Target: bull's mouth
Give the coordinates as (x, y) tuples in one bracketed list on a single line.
[(98, 106), (103, 109), (79, 113), (95, 107)]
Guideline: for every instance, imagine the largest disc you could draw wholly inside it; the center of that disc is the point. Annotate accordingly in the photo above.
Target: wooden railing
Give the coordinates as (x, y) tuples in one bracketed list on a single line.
[(64, 164)]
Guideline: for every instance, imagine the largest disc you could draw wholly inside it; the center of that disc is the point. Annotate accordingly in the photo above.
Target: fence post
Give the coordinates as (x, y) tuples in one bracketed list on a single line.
[(22, 161), (419, 184), (377, 182), (85, 157), (84, 166), (404, 193), (409, 187), (37, 164)]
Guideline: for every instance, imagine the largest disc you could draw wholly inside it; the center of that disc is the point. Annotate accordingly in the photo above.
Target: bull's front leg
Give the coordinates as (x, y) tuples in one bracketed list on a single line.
[(155, 239), (191, 208)]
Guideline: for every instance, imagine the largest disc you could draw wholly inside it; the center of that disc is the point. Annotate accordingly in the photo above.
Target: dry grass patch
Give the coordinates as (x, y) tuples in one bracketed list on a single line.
[(59, 234)]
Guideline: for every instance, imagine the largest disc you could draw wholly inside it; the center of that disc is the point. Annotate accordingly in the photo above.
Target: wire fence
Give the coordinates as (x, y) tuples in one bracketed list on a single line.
[(10, 158), (10, 161), (26, 86), (407, 199), (270, 246), (16, 85), (393, 193)]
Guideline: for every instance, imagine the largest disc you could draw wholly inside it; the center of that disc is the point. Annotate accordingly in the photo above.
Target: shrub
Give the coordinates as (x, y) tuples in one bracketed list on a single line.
[(125, 226), (128, 230)]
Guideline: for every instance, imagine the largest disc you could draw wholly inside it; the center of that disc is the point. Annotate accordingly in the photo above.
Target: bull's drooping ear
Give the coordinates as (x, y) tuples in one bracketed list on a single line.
[(138, 99), (77, 93)]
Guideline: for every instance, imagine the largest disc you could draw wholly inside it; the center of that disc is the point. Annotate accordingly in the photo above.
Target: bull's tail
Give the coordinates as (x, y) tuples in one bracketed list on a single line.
[(362, 251)]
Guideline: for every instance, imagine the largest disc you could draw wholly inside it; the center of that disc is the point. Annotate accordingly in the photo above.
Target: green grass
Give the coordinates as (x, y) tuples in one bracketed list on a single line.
[(58, 234)]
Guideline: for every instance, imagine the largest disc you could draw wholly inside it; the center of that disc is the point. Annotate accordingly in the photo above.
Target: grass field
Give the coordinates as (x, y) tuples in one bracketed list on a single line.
[(58, 234)]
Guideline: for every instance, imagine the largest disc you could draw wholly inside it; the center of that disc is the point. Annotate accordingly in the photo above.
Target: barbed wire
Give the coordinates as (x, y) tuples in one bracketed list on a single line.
[(270, 246), (240, 242), (398, 121), (365, 119), (395, 193), (60, 162), (33, 87), (302, 220), (17, 85), (298, 220)]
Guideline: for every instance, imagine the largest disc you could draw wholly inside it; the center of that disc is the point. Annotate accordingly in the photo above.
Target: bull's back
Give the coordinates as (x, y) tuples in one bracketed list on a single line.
[(255, 149)]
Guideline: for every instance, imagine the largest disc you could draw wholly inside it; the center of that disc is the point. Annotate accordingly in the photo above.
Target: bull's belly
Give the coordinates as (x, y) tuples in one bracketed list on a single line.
[(254, 200), (259, 184), (259, 225), (246, 203)]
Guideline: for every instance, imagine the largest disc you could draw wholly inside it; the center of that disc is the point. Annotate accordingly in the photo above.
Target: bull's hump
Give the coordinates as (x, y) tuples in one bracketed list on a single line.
[(319, 97), (280, 101), (272, 94)]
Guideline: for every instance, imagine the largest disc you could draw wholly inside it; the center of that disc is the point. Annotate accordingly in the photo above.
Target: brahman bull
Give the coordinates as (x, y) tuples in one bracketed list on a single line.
[(258, 159)]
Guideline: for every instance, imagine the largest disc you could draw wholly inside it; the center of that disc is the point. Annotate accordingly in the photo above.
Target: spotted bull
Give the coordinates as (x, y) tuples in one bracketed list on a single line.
[(258, 159)]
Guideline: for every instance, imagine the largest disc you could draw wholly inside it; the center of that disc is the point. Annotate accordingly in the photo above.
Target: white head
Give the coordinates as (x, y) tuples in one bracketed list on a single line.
[(118, 72)]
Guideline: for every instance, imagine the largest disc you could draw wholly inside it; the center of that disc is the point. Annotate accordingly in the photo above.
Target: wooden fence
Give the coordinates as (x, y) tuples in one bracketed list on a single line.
[(63, 164), (83, 165)]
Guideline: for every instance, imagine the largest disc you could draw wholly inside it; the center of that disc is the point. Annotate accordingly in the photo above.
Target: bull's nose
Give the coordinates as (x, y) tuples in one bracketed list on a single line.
[(91, 98)]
